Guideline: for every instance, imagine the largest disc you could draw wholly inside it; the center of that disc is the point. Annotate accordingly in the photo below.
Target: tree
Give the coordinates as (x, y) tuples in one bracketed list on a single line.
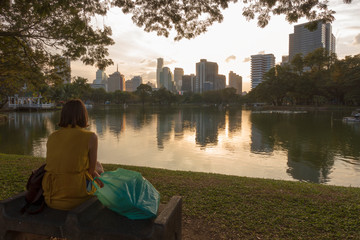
[(35, 36), (144, 92), (351, 76), (121, 97), (191, 18), (98, 95)]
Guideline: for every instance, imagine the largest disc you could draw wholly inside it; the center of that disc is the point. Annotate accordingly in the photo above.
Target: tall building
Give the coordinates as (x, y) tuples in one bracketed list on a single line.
[(188, 83), (129, 86), (220, 82), (166, 79), (206, 76), (116, 81), (260, 64), (305, 41), (178, 73), (136, 81), (101, 80), (235, 81), (160, 65)]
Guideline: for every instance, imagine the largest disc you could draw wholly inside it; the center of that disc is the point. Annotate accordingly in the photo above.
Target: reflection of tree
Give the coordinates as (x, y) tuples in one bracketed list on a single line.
[(98, 117), (261, 142), (26, 130), (138, 117), (115, 122), (308, 138)]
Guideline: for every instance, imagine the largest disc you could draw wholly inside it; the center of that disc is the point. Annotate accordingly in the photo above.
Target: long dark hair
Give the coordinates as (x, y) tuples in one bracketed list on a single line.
[(74, 113)]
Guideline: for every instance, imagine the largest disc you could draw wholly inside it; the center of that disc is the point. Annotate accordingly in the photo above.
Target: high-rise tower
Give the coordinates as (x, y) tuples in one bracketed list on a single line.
[(206, 76), (160, 65), (178, 73), (235, 81), (260, 64), (305, 41)]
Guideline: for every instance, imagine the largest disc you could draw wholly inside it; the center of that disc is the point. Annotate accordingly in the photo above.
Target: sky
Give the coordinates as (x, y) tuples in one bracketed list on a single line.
[(229, 43)]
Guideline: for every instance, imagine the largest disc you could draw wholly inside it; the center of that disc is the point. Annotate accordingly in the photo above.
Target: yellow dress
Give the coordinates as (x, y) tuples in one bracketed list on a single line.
[(67, 161)]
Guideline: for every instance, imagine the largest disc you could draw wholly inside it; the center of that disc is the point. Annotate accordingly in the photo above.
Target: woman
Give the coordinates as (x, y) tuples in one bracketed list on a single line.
[(71, 152)]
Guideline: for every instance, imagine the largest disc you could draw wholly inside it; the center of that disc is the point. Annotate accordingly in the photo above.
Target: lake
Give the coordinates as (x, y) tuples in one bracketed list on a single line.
[(313, 146)]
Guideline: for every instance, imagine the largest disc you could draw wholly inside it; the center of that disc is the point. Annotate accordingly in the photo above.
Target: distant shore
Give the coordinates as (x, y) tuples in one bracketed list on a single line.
[(211, 105), (228, 207)]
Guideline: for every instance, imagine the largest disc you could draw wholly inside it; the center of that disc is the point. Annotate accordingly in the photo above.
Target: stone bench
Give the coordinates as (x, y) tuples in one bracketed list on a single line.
[(91, 220)]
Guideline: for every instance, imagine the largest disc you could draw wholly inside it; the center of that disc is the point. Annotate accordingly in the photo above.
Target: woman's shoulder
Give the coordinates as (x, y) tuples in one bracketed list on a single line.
[(86, 131), (69, 130)]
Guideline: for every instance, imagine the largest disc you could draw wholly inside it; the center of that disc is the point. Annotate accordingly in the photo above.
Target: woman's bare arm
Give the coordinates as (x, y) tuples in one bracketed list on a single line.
[(93, 146)]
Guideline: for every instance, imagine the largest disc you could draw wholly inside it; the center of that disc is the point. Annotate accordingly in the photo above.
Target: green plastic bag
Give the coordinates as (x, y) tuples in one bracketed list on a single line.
[(129, 194)]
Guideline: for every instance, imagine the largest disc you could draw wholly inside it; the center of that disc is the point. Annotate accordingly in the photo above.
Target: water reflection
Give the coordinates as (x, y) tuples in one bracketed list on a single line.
[(312, 142), (22, 130), (316, 146)]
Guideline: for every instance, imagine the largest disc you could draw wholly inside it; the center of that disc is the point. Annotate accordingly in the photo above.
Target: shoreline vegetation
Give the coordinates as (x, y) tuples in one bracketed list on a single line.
[(219, 206), (207, 105)]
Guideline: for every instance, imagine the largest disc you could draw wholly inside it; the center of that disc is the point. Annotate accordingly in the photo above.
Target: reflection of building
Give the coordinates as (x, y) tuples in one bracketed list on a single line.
[(160, 65), (178, 73), (178, 125), (164, 127), (260, 64), (188, 83), (116, 123), (234, 120), (235, 81), (207, 125), (305, 41)]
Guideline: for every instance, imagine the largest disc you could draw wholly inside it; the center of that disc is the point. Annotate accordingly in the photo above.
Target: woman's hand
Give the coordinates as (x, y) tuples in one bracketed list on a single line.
[(97, 180)]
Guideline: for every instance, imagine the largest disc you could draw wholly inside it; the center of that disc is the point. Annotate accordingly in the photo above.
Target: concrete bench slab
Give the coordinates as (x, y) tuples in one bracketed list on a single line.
[(90, 220)]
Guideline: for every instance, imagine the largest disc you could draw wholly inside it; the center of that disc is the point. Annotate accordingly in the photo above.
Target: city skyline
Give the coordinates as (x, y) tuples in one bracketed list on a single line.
[(228, 44)]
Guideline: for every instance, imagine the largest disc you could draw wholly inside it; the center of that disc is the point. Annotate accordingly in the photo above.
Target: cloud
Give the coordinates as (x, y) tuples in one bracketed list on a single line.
[(246, 59), (230, 58), (357, 40), (169, 62), (353, 28), (148, 76), (151, 63)]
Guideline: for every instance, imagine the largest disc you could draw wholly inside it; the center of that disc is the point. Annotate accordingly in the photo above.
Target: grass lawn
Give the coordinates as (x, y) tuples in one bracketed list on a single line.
[(228, 207)]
